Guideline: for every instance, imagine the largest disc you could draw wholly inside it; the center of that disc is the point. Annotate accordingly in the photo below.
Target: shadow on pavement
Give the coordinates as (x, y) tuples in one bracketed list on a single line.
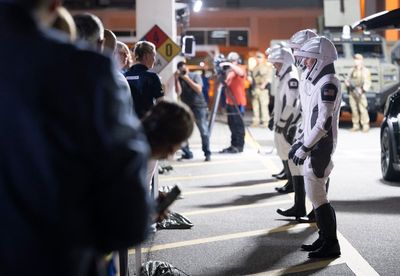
[(385, 205), (242, 183), (242, 200), (268, 253), (390, 183)]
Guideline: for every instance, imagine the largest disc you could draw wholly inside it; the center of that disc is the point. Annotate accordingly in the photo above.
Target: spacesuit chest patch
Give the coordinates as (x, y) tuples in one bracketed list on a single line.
[(329, 92), (293, 84)]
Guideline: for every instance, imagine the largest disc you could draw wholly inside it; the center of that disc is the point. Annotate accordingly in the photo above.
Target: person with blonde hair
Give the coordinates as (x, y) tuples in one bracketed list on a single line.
[(145, 86), (65, 23), (123, 55)]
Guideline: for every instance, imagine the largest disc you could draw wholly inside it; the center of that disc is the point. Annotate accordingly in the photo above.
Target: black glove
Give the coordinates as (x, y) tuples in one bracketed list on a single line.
[(300, 155), (271, 123), (294, 148)]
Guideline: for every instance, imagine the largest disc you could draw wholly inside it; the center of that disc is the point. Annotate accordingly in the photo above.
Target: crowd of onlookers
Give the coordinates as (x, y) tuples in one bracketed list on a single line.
[(83, 124)]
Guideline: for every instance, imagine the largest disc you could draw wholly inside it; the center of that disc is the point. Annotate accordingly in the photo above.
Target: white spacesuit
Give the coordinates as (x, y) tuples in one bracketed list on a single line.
[(298, 210), (286, 110), (320, 104)]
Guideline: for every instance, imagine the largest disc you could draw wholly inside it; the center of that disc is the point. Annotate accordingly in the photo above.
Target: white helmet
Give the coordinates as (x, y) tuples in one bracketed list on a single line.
[(280, 44), (320, 48), (281, 55), (233, 56), (298, 39)]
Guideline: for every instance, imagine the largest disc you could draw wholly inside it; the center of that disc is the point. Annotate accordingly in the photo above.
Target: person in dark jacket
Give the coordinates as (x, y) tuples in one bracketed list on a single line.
[(145, 86), (73, 158)]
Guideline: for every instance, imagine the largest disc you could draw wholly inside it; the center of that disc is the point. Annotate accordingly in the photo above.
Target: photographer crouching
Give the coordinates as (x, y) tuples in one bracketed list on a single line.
[(189, 87)]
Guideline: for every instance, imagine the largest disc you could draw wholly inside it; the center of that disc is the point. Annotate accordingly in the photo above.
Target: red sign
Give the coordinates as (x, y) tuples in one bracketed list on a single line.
[(156, 35)]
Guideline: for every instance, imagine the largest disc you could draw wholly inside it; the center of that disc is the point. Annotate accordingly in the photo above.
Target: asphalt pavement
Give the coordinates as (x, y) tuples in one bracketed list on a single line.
[(232, 204)]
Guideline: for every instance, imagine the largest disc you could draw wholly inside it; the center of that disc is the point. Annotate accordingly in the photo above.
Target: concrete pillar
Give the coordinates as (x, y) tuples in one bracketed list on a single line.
[(392, 35), (161, 13)]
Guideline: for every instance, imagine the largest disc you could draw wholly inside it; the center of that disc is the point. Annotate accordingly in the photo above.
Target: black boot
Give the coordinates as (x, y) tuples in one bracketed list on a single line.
[(280, 173), (282, 176), (326, 218), (309, 219), (318, 242), (299, 208), (288, 187), (315, 245)]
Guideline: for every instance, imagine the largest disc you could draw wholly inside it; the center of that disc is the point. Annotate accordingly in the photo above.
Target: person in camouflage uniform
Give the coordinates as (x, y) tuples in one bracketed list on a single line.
[(358, 83), (261, 78)]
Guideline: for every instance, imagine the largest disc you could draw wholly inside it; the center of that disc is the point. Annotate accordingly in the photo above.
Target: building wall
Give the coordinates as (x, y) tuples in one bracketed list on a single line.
[(263, 25)]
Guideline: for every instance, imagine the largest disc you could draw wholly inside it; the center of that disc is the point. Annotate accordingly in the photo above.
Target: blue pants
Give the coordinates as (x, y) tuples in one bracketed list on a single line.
[(200, 117)]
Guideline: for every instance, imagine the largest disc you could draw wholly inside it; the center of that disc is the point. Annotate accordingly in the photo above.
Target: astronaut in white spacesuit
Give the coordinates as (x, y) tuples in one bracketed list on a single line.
[(320, 102), (298, 210), (286, 111)]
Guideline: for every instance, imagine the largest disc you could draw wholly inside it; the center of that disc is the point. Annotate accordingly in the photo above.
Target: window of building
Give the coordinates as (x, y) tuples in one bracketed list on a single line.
[(223, 37), (238, 38), (199, 36), (217, 37)]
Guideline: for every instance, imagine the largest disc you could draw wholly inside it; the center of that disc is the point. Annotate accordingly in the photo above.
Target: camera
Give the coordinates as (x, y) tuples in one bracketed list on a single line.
[(220, 70)]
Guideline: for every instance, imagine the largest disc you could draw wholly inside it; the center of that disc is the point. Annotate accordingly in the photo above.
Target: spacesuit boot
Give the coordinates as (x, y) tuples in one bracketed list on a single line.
[(326, 218), (281, 175), (299, 208), (288, 187)]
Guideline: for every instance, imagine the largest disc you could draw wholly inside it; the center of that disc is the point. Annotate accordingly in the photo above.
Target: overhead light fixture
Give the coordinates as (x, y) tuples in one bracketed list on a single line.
[(197, 5)]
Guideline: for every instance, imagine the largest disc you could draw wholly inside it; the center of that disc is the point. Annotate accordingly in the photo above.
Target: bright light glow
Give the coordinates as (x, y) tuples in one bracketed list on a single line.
[(197, 5), (252, 62), (202, 64), (346, 32)]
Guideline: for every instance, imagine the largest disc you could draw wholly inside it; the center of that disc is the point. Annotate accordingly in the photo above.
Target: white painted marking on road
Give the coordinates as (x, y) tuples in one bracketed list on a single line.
[(262, 232), (354, 259)]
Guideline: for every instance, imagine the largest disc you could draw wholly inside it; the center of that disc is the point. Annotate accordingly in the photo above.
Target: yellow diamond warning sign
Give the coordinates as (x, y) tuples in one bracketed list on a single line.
[(169, 50)]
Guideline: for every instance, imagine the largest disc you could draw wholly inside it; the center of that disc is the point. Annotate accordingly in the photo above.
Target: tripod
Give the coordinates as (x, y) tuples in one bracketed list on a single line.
[(225, 88)]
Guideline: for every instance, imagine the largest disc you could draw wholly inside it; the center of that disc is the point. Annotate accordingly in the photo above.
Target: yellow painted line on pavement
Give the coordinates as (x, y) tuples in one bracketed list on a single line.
[(234, 208), (254, 144), (213, 162), (192, 177), (302, 268), (262, 232), (251, 141), (354, 260), (226, 189)]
